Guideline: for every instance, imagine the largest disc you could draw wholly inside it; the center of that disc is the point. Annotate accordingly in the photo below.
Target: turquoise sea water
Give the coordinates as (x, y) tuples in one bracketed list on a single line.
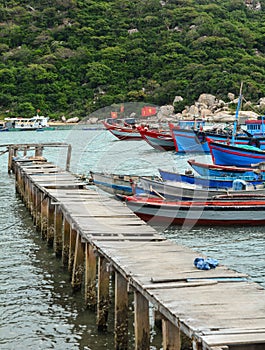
[(37, 307)]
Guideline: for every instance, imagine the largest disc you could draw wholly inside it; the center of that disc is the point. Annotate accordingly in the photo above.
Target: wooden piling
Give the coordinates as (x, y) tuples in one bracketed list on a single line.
[(66, 241), (90, 276), (103, 294), (141, 322), (78, 265), (121, 312), (171, 336), (50, 222), (72, 242), (44, 216), (58, 233), (10, 158)]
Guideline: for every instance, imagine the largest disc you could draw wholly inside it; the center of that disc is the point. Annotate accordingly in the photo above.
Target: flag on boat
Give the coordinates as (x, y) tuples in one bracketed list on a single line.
[(147, 111), (114, 115)]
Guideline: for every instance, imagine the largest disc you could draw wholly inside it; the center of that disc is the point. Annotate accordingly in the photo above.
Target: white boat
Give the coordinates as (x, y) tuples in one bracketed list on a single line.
[(172, 190), (34, 123)]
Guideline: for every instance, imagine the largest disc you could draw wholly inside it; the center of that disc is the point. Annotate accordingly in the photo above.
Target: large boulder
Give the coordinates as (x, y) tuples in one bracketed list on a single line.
[(73, 120), (207, 99)]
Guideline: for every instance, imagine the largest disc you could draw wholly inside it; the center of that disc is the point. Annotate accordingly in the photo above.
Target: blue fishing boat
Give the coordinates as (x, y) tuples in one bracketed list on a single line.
[(210, 182), (241, 156), (225, 170), (195, 141)]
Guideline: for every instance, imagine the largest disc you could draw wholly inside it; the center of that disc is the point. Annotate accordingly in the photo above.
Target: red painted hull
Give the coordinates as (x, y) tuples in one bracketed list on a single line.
[(123, 132), (162, 141), (224, 211)]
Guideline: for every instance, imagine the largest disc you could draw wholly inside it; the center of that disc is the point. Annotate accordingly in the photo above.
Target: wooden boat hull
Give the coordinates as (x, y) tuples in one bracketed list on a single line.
[(219, 182), (183, 191), (159, 140), (123, 133), (114, 184), (190, 141), (222, 170), (225, 212), (233, 155)]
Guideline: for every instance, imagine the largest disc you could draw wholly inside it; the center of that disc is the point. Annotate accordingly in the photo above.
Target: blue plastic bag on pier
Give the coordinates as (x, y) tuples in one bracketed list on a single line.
[(205, 264)]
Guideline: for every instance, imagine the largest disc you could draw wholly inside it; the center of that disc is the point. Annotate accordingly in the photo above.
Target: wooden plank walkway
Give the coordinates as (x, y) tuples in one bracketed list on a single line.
[(216, 309)]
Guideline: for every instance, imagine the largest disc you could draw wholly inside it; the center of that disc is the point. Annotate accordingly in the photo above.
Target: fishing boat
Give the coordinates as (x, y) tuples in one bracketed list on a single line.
[(122, 129), (240, 156), (117, 183), (226, 210), (34, 123), (114, 183), (172, 190), (195, 141), (225, 170), (210, 181), (161, 140)]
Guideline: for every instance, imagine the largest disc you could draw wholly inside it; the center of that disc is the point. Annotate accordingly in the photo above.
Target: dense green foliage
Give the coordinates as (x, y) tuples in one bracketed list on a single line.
[(71, 57)]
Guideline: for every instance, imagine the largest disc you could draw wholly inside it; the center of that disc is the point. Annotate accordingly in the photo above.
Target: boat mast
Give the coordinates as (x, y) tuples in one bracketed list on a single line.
[(237, 113)]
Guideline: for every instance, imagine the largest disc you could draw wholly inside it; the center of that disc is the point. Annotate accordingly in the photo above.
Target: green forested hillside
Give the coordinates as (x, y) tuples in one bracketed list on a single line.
[(71, 57)]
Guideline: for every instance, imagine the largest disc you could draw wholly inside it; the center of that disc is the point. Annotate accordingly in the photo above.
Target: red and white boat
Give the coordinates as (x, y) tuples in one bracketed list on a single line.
[(223, 211), (122, 129), (161, 140)]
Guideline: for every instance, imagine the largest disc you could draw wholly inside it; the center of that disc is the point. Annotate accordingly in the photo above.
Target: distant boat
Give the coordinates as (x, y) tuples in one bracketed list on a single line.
[(161, 140), (122, 129), (34, 123), (216, 182), (172, 190), (224, 211), (241, 156), (225, 170)]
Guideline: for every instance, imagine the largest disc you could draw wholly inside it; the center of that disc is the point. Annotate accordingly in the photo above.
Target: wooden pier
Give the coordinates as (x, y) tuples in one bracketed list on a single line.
[(98, 237)]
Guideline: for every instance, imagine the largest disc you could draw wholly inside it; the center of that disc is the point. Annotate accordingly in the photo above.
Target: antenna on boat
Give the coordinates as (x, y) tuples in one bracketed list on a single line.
[(237, 113)]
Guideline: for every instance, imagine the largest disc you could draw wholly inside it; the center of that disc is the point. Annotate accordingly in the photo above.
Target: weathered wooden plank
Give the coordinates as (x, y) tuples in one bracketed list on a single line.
[(234, 339)]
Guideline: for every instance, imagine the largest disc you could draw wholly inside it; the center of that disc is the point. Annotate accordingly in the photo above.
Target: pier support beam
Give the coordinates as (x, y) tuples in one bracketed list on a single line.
[(50, 222), (103, 294), (196, 345), (171, 336), (72, 242), (121, 312), (38, 151), (141, 322), (58, 231), (90, 277), (10, 158), (66, 241), (78, 266), (44, 216), (38, 209)]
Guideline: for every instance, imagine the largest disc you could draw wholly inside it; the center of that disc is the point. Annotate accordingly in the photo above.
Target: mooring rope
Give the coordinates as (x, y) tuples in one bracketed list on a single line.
[(24, 216)]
